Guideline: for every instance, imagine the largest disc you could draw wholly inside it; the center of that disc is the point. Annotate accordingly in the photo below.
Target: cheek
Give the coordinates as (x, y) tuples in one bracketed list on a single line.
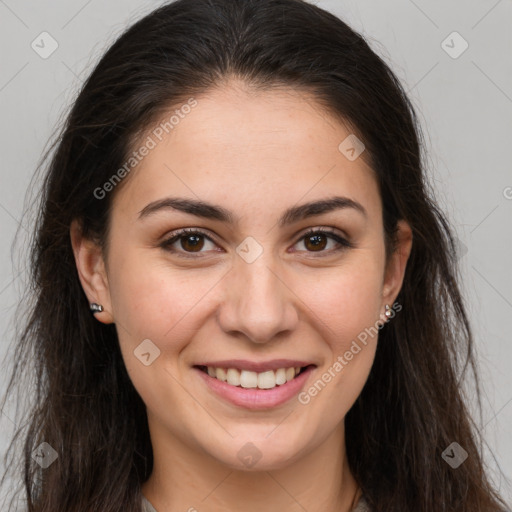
[(153, 301), (347, 310), (346, 300)]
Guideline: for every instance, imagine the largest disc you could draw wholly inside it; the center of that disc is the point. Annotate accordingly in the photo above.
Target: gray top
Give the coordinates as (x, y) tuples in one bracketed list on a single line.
[(361, 506), (146, 506)]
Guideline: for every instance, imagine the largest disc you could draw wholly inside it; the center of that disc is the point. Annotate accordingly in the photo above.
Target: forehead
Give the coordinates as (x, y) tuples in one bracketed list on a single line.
[(240, 146)]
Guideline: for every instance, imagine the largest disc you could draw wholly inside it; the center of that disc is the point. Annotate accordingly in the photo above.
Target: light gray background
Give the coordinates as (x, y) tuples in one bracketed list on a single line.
[(464, 103)]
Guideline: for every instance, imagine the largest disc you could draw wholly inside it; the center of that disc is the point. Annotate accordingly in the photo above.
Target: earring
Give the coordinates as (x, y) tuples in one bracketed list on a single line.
[(95, 308), (388, 312)]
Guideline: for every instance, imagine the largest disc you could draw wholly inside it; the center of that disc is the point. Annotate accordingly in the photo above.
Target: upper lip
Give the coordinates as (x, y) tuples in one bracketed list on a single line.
[(258, 367)]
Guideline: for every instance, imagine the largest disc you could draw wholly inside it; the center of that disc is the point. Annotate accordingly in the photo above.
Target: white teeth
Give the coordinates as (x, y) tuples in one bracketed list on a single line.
[(280, 376), (220, 373), (290, 373), (247, 379), (267, 380), (233, 377)]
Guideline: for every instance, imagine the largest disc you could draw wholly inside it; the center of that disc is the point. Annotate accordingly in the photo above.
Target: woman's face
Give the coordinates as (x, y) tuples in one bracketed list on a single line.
[(250, 289)]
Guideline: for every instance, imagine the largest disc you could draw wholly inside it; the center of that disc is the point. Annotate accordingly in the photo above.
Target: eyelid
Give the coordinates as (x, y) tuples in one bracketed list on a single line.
[(174, 236), (342, 241), (322, 229)]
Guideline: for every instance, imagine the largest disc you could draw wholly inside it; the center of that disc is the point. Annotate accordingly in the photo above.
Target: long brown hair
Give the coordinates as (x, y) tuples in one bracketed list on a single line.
[(85, 407)]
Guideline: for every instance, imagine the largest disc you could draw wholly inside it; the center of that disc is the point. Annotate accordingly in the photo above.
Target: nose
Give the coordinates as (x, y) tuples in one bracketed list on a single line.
[(258, 303)]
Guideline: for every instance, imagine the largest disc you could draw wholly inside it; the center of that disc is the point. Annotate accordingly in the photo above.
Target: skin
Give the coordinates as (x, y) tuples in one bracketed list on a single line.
[(255, 154)]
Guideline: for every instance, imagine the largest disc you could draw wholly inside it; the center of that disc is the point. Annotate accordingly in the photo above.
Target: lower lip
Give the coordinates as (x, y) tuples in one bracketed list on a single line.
[(255, 398)]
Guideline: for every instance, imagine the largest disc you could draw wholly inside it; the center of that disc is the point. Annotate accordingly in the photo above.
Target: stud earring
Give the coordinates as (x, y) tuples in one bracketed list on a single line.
[(95, 308), (388, 312)]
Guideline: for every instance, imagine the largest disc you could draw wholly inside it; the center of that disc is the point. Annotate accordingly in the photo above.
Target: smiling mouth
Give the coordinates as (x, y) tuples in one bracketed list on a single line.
[(248, 379)]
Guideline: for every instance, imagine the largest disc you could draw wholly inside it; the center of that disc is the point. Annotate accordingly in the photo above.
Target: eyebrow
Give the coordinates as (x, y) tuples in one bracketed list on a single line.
[(215, 212)]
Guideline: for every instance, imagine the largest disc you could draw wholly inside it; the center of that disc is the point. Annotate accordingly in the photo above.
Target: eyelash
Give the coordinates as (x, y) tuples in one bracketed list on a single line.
[(166, 244)]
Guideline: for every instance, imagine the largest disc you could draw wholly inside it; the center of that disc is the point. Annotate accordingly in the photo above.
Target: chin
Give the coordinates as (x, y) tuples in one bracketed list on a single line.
[(257, 453)]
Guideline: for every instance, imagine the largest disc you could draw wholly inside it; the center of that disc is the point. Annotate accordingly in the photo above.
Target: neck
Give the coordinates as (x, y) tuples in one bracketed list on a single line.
[(184, 479)]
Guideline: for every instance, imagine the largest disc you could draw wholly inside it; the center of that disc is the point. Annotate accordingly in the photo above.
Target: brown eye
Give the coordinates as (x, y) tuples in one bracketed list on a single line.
[(316, 240), (187, 241), (192, 243)]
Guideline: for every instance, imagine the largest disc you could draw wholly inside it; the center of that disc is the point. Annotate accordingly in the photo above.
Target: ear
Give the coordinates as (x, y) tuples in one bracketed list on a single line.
[(91, 271), (395, 270)]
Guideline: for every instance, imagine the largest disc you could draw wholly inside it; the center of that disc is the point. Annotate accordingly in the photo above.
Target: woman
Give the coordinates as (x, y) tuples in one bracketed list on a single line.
[(238, 199)]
